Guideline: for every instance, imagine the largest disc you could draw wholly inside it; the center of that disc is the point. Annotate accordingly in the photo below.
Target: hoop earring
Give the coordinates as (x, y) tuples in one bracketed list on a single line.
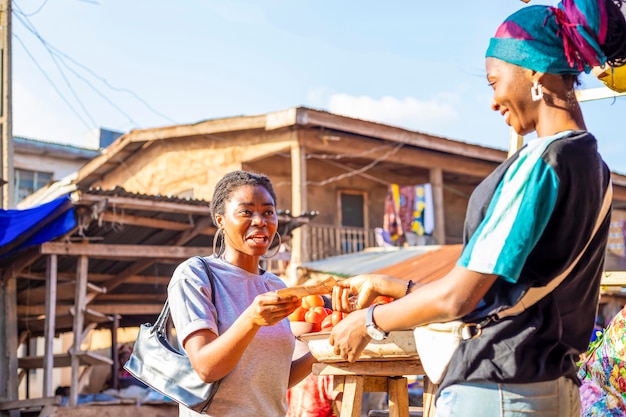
[(280, 242), (219, 233), (536, 91)]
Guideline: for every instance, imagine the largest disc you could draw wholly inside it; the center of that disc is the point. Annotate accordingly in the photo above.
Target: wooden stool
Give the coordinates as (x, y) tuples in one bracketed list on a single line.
[(353, 379)]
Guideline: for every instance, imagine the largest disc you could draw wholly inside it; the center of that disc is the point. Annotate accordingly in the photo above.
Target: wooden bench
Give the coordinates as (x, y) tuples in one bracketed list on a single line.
[(353, 379), (62, 360)]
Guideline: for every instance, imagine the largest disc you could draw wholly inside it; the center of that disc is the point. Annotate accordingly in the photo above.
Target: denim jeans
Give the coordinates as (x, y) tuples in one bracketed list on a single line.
[(558, 398)]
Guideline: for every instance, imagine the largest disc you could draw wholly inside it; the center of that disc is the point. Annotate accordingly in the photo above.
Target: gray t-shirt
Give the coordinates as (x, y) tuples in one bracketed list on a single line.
[(257, 386)]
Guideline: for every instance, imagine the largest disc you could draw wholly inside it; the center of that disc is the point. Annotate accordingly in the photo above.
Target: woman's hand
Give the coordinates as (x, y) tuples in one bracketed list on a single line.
[(349, 337), (268, 309), (361, 290)]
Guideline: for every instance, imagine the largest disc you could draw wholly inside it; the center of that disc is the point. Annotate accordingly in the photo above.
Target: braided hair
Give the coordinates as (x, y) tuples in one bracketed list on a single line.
[(574, 36), (231, 182), (614, 46)]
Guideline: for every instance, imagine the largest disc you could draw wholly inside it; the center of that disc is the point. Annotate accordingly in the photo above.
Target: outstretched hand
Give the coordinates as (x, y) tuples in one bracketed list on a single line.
[(361, 290), (268, 309)]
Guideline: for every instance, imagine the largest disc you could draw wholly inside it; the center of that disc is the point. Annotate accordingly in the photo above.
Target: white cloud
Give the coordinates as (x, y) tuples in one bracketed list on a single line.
[(425, 115)]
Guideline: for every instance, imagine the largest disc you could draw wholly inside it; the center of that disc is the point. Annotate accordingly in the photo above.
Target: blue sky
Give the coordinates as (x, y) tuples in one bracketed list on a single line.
[(126, 64)]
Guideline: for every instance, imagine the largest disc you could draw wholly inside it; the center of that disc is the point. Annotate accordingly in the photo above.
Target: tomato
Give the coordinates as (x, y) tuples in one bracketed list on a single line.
[(336, 317), (309, 301), (328, 311), (315, 314), (327, 323), (297, 314)]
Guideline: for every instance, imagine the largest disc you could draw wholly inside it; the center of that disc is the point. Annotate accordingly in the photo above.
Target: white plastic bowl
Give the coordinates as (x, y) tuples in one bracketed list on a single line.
[(399, 344)]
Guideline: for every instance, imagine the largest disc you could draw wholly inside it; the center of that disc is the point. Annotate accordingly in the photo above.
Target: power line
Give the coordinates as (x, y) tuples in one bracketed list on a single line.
[(50, 81), (28, 25), (59, 56), (36, 11)]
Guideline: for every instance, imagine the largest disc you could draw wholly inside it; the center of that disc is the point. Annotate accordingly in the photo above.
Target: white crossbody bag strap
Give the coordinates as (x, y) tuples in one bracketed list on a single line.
[(535, 294)]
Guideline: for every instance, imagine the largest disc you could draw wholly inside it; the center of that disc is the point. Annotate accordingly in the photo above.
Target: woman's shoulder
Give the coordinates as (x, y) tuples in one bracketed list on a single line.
[(194, 268)]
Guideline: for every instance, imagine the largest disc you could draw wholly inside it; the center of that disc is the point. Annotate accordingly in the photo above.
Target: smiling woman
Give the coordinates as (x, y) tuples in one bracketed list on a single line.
[(243, 337), (526, 227)]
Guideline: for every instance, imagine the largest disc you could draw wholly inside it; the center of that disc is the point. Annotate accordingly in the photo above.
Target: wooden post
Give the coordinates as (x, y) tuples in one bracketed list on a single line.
[(300, 237), (50, 306), (8, 348), (114, 351), (436, 181), (6, 110), (79, 321), (352, 396)]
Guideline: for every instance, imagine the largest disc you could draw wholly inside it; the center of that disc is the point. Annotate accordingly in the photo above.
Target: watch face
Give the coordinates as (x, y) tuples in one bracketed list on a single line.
[(375, 333)]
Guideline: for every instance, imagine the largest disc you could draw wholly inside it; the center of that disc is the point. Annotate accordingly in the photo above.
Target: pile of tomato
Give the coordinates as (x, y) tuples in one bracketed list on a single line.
[(312, 310)]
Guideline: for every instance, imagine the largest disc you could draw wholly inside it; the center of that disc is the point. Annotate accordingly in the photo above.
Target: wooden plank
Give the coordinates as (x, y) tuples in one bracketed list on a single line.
[(37, 325), (122, 203), (398, 397), (372, 368), (9, 337), (430, 391), (80, 304), (175, 243), (97, 278), (64, 360), (49, 323), (352, 399), (600, 93), (371, 383), (28, 403), (137, 308), (128, 219), (396, 134), (106, 251), (420, 158), (65, 291), (111, 298)]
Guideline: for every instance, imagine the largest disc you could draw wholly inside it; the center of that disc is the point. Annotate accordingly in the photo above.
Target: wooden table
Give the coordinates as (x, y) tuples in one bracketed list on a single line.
[(353, 379)]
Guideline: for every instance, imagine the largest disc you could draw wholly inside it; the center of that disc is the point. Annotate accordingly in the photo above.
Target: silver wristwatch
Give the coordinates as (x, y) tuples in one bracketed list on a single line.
[(373, 330)]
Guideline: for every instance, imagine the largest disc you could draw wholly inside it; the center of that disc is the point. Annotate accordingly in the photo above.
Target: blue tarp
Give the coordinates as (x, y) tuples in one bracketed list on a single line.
[(20, 229)]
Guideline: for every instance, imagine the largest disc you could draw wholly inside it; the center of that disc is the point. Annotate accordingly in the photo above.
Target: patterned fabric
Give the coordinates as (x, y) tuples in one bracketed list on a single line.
[(558, 40), (312, 397), (603, 372), (409, 212)]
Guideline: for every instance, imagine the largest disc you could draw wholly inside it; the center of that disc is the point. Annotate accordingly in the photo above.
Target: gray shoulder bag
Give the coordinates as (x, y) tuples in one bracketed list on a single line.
[(161, 366)]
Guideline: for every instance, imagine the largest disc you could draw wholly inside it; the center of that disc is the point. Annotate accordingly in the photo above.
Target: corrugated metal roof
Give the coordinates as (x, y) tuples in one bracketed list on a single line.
[(41, 147), (426, 267), (399, 262)]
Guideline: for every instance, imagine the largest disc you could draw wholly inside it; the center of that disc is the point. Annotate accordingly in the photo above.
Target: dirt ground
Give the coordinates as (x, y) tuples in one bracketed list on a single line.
[(132, 410)]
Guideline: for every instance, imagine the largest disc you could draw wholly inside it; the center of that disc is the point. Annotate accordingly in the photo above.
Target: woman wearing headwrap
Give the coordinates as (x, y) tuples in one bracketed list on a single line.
[(526, 223)]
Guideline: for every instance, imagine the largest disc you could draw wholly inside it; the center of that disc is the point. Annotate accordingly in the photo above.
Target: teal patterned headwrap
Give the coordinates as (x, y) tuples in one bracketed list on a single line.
[(558, 40)]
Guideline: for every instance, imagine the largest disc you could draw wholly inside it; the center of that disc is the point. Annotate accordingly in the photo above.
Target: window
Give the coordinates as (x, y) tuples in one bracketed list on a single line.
[(352, 209), (353, 220), (27, 182)]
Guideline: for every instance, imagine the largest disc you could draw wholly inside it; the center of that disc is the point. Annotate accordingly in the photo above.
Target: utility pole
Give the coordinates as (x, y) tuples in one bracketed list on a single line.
[(6, 108), (8, 292)]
